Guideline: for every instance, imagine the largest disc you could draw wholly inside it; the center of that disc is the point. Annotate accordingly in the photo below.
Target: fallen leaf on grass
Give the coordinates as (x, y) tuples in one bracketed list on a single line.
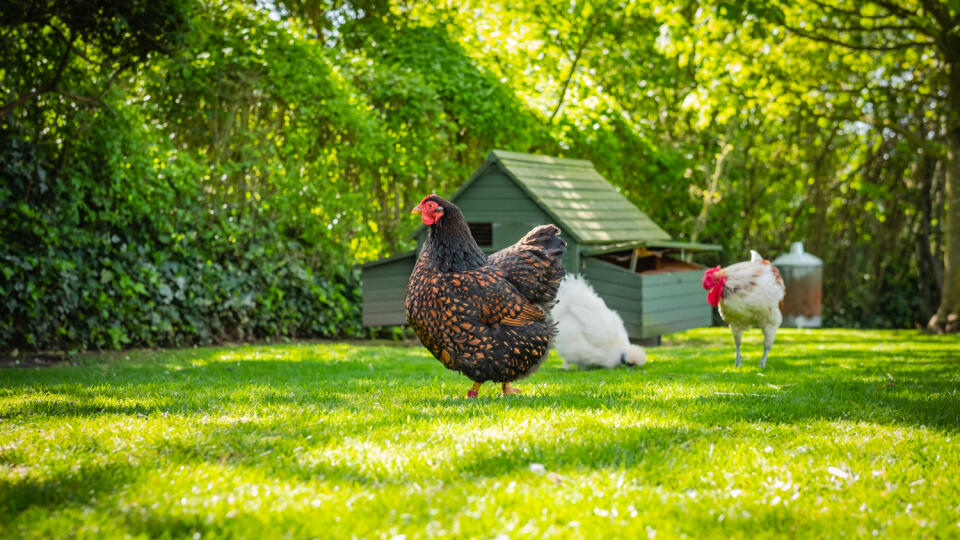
[(742, 394), (839, 473)]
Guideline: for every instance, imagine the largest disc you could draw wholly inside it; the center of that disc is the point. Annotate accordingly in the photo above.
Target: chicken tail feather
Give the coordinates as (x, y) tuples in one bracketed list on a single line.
[(534, 265)]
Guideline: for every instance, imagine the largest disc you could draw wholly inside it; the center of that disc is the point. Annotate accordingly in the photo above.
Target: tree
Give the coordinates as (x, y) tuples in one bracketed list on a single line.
[(42, 39), (905, 36)]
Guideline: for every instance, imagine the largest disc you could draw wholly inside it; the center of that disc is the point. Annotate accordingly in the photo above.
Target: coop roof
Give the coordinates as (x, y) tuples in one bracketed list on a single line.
[(580, 201), (584, 204)]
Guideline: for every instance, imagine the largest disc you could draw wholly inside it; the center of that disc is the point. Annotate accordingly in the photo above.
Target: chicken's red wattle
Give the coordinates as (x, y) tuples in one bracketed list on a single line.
[(713, 297), (714, 283)]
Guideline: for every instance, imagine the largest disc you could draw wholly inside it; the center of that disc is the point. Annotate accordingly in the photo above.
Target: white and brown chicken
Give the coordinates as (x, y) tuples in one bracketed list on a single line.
[(749, 294)]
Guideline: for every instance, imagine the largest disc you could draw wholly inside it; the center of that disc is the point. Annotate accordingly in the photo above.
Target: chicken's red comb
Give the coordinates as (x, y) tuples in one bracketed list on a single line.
[(427, 197), (708, 280)]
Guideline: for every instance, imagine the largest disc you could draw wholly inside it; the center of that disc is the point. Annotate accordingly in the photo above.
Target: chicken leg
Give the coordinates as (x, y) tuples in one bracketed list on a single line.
[(769, 332), (509, 390), (472, 393), (737, 335)]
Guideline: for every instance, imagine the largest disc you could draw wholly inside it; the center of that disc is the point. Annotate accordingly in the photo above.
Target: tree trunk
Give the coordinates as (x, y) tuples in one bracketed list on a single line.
[(709, 194), (947, 318), (928, 263)]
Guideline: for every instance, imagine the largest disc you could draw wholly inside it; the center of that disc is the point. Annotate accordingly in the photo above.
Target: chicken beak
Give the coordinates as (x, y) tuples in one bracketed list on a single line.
[(417, 210)]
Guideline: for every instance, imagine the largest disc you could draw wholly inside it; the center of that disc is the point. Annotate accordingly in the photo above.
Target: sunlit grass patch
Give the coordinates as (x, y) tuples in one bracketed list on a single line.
[(846, 433)]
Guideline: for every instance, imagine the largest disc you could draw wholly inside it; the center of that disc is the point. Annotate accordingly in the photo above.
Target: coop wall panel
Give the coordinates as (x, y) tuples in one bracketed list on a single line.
[(383, 289)]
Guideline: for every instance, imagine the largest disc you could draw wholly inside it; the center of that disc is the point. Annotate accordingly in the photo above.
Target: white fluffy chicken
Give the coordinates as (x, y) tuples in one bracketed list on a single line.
[(748, 295), (589, 334)]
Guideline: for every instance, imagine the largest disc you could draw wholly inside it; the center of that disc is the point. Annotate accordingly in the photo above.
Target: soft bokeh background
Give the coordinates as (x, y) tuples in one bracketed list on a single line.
[(187, 171)]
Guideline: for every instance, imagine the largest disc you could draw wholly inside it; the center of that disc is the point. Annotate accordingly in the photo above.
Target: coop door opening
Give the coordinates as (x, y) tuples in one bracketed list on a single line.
[(482, 233), (647, 261)]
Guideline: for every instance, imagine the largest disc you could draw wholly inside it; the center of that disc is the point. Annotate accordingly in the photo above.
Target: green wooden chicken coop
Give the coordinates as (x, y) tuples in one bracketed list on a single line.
[(630, 261)]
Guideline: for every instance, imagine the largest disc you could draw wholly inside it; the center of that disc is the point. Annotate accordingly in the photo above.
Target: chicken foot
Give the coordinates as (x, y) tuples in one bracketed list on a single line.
[(509, 390), (472, 393)]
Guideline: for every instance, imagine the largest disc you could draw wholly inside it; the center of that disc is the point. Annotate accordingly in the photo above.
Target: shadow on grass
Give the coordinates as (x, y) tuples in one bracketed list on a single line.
[(601, 447), (915, 392), (78, 485), (841, 385), (594, 446), (304, 408), (721, 337), (273, 443), (76, 403), (276, 444)]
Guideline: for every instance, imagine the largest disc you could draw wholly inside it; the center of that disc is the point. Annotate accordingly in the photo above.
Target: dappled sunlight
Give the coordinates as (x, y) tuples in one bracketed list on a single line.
[(181, 173)]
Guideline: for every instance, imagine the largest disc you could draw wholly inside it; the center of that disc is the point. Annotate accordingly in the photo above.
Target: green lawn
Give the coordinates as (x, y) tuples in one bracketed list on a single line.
[(846, 433)]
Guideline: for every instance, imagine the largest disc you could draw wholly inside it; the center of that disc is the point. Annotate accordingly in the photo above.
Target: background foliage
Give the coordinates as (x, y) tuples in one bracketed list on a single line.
[(186, 171)]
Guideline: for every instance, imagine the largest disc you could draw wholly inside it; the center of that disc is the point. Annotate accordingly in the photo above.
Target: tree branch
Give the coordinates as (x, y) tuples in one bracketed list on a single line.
[(857, 46), (897, 9), (75, 50), (851, 12), (708, 194), (573, 69), (43, 89), (113, 77), (927, 145), (91, 101), (872, 28)]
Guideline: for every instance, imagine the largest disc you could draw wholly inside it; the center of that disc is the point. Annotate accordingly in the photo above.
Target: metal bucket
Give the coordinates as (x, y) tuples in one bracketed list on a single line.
[(803, 276)]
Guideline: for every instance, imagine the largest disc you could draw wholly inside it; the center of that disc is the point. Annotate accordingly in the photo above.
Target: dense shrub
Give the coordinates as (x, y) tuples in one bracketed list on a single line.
[(89, 260), (227, 189)]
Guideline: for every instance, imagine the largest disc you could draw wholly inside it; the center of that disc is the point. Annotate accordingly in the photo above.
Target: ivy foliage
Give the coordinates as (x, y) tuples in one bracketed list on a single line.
[(225, 189)]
